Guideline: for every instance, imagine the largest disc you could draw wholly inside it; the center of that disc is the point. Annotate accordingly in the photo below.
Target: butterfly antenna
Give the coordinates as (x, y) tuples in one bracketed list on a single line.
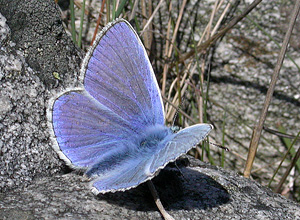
[(180, 171), (219, 146), (177, 110), (158, 203)]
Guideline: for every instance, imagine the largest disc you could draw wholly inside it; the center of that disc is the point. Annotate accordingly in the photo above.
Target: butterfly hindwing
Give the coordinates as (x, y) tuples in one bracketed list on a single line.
[(144, 165), (85, 130), (179, 144)]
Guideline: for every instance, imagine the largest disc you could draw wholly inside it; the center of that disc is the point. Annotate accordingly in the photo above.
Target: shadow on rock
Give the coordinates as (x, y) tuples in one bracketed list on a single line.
[(186, 189)]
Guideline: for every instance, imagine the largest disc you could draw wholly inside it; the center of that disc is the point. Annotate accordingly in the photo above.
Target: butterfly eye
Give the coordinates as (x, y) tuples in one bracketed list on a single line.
[(153, 137), (150, 141)]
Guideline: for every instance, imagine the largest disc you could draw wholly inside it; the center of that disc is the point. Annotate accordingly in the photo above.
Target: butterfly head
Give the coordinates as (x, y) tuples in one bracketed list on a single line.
[(153, 136)]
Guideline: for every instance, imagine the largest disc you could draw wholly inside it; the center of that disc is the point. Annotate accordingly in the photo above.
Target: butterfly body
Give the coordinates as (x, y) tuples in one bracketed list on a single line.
[(113, 127), (144, 147)]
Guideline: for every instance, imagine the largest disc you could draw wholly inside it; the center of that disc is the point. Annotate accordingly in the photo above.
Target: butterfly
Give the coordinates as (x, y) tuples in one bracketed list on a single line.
[(113, 128)]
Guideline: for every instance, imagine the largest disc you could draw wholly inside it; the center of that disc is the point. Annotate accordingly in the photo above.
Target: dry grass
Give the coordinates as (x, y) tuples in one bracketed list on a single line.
[(180, 55)]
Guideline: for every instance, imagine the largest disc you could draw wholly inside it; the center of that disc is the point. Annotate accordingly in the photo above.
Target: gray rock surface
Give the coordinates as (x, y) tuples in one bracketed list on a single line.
[(33, 50), (33, 46), (205, 192)]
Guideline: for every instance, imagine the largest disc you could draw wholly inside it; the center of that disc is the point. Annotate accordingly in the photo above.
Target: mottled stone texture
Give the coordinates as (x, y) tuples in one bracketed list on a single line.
[(33, 49), (33, 46), (203, 192)]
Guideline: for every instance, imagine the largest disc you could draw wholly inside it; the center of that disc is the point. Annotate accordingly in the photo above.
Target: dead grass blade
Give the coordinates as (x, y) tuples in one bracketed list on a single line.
[(258, 128)]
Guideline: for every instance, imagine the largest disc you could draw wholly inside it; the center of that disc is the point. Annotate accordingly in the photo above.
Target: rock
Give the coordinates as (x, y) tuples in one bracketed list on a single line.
[(33, 46), (204, 192), (38, 59)]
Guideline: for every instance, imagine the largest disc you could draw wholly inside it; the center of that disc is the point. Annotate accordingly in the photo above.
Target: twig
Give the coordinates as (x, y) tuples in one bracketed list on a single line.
[(158, 203), (133, 11), (169, 53), (73, 31), (151, 17), (221, 33), (281, 162), (81, 23), (98, 22), (278, 133), (258, 128), (288, 170)]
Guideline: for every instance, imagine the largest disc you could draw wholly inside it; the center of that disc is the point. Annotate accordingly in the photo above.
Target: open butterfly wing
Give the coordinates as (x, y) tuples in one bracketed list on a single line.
[(86, 130), (177, 145), (120, 98), (145, 166), (123, 177), (119, 75)]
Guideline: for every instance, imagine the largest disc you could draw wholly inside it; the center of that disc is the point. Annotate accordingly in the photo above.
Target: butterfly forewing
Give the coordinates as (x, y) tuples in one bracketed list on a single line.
[(119, 75), (120, 98)]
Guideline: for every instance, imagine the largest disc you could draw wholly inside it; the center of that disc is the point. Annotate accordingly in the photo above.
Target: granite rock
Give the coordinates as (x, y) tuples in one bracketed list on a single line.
[(199, 191), (34, 49), (37, 60)]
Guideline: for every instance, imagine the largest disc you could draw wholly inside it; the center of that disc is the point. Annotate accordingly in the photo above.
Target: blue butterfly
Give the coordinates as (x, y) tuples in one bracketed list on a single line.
[(113, 128)]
